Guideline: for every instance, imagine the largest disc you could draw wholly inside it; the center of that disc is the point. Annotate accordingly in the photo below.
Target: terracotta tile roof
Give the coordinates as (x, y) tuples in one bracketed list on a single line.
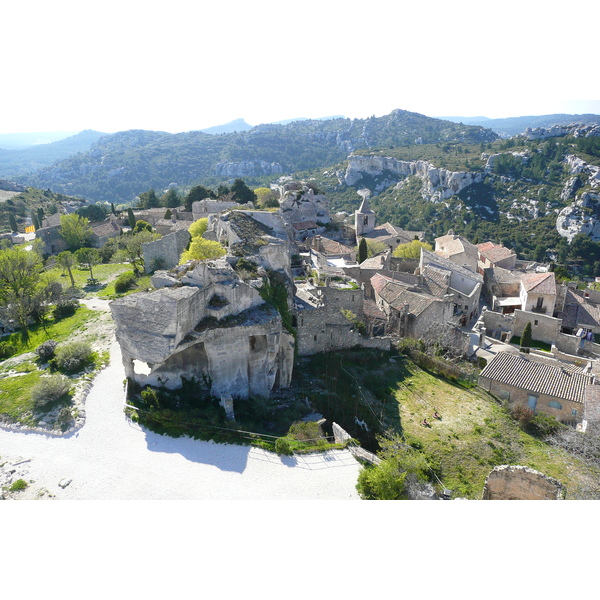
[(560, 381), (454, 244), (495, 252), (436, 281), (375, 262), (396, 294), (387, 231), (105, 228), (539, 283), (331, 247)]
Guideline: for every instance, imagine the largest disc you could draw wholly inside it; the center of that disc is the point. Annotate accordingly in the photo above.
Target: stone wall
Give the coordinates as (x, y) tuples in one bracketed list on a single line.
[(511, 482), (166, 251), (543, 328)]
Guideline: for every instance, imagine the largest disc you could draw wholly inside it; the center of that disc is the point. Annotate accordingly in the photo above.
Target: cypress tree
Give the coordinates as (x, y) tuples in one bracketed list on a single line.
[(526, 338), (13, 223), (362, 250), (131, 217)]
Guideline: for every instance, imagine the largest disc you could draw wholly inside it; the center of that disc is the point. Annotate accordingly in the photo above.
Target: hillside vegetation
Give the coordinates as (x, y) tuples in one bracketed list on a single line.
[(120, 166)]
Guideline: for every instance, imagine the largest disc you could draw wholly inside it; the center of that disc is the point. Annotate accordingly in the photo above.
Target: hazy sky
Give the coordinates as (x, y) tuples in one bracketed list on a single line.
[(178, 65)]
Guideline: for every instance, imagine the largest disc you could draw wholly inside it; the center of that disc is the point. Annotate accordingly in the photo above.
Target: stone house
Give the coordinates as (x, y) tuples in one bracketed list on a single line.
[(320, 323), (325, 252), (463, 283), (540, 384), (538, 293), (580, 311), (458, 250), (209, 206), (304, 229), (410, 311), (102, 231), (49, 233), (495, 255)]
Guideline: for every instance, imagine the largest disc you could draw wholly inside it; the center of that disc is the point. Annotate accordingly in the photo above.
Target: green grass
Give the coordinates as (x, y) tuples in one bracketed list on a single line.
[(104, 273), (58, 330), (15, 397), (474, 435), (516, 341)]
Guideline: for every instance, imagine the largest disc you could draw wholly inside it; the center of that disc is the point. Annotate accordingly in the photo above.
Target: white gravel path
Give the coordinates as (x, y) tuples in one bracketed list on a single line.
[(110, 458)]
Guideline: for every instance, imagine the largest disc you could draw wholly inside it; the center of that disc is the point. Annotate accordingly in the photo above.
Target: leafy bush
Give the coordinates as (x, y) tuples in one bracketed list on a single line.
[(46, 350), (49, 389), (283, 446), (124, 282), (7, 349), (65, 309), (72, 357)]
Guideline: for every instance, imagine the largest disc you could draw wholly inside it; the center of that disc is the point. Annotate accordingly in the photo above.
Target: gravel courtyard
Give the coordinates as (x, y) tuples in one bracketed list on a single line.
[(111, 458)]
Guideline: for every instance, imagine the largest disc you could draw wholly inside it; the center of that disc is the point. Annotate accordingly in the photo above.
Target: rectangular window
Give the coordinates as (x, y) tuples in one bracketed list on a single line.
[(535, 322), (573, 412)]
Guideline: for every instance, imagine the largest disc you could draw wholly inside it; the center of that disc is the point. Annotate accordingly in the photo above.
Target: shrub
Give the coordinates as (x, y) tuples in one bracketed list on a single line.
[(7, 349), (18, 485), (65, 309), (72, 357), (305, 430), (49, 389), (46, 350), (283, 446), (124, 282)]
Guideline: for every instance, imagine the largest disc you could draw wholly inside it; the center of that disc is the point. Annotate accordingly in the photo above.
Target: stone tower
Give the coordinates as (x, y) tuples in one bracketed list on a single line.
[(364, 218)]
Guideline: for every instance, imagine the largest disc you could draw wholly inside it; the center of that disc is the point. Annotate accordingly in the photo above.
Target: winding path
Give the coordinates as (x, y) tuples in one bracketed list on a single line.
[(110, 458)]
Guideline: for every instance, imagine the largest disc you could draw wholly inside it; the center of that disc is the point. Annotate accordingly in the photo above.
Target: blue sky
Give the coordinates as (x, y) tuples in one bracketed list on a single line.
[(179, 66)]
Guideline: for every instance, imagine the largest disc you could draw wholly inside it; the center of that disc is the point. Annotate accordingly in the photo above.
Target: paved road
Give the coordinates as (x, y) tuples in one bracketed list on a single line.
[(110, 458)]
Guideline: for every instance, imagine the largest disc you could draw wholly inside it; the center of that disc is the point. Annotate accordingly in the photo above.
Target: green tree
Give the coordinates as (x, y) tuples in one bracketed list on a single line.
[(363, 251), (34, 220), (526, 337), (67, 261), (266, 198), (93, 212), (40, 215), (130, 217), (196, 194), (242, 194), (401, 470), (88, 258), (149, 199), (170, 199), (411, 249), (75, 230), (13, 223), (142, 226), (201, 249), (20, 273), (132, 245), (197, 228)]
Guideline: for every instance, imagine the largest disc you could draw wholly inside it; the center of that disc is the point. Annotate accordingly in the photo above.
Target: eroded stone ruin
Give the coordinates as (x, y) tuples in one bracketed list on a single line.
[(205, 324), (511, 482)]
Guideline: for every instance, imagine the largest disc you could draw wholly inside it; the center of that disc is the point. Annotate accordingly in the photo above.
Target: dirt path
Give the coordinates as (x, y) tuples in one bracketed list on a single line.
[(110, 458)]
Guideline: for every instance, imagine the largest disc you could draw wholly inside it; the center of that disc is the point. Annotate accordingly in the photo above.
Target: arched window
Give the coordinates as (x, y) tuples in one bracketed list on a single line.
[(555, 404)]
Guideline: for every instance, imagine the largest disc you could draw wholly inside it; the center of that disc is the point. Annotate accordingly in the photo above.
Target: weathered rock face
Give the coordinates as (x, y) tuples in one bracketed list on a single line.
[(583, 214), (438, 184), (575, 129), (509, 482), (301, 203), (216, 328)]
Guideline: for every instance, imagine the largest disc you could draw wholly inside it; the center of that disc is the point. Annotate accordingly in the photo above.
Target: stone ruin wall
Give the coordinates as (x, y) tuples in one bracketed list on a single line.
[(509, 482), (165, 251)]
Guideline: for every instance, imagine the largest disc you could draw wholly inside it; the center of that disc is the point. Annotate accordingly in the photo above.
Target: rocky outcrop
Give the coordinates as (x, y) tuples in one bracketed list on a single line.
[(214, 328), (583, 214), (438, 184), (574, 129), (299, 202), (508, 482), (248, 168)]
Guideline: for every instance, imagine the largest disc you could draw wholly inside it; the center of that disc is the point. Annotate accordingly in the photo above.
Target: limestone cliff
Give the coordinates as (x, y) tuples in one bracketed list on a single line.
[(583, 190), (378, 172)]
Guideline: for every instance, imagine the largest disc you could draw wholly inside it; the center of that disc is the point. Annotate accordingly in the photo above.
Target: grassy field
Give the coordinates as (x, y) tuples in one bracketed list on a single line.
[(475, 432)]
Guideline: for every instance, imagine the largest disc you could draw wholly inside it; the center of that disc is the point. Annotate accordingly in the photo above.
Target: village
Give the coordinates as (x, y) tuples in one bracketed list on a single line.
[(215, 320)]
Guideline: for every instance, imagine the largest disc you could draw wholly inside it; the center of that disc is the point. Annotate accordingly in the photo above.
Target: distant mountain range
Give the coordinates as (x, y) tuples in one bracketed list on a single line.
[(120, 166), (26, 159), (511, 126)]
